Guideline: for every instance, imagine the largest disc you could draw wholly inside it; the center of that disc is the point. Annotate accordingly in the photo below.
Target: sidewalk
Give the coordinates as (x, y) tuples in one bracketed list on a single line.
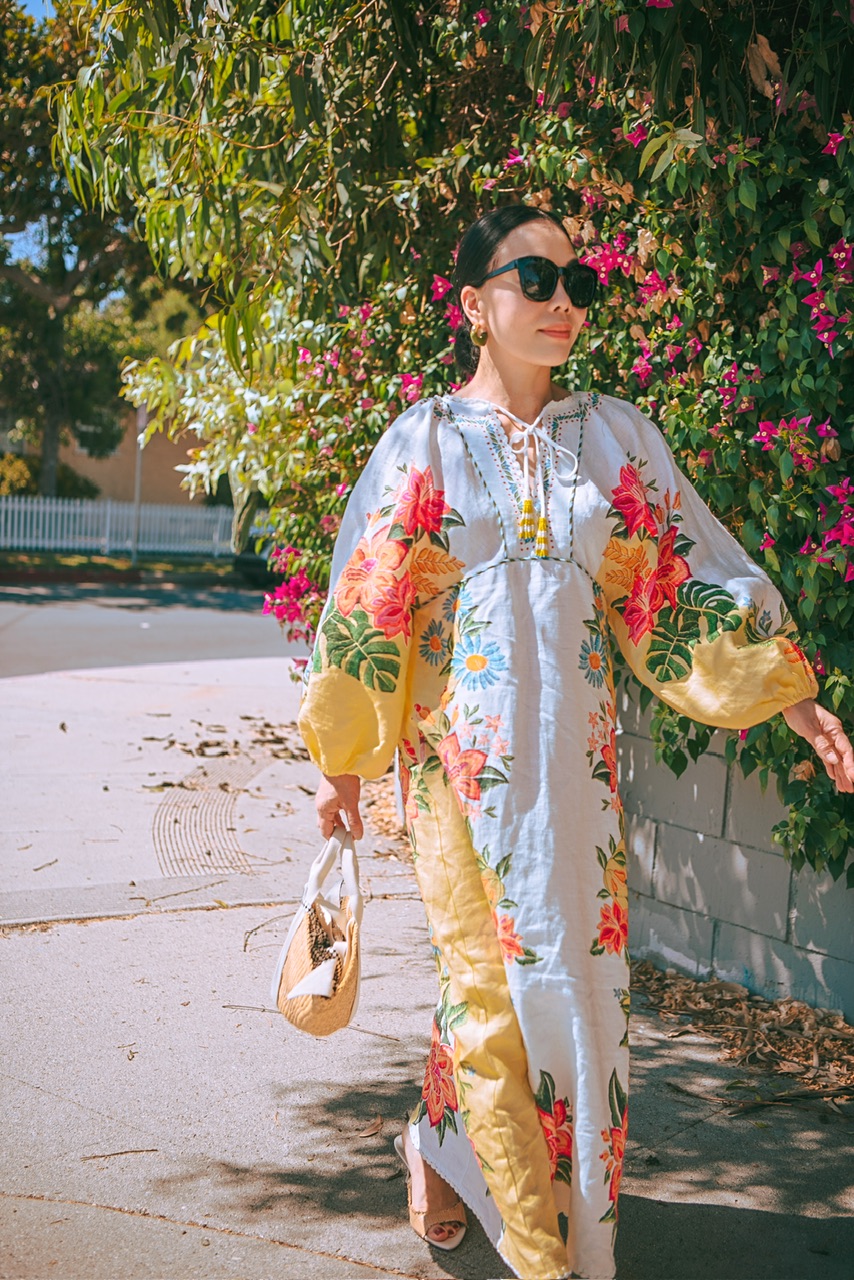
[(159, 1122)]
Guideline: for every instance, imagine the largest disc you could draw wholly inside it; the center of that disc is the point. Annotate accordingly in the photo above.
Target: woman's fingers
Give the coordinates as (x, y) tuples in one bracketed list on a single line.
[(354, 821)]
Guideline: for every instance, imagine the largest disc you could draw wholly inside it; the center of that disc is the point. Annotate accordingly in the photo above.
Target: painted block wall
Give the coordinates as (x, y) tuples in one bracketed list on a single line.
[(709, 892)]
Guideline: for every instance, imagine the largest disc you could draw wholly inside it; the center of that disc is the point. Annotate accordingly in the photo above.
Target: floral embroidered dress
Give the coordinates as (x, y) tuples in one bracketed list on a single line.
[(476, 642)]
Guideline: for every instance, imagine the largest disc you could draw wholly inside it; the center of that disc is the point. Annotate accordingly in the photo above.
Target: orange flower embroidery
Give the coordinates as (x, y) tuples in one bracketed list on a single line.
[(439, 1090), (615, 1140), (558, 1134), (613, 927), (370, 571), (508, 939), (462, 767)]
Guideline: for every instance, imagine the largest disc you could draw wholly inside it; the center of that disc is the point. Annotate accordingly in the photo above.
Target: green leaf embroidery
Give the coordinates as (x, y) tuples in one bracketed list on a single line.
[(361, 651)]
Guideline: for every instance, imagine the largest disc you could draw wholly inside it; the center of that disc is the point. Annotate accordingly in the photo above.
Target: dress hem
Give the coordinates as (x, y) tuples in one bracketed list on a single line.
[(565, 1275)]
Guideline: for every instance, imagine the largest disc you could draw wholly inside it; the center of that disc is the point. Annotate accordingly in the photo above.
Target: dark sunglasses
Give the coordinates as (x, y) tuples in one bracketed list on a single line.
[(539, 276)]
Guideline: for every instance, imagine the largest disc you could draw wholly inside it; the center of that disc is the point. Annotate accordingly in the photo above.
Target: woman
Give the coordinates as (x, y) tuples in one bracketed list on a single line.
[(498, 543)]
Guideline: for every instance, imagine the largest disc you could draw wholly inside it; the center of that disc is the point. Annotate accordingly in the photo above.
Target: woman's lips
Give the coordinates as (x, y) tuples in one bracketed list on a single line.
[(557, 333)]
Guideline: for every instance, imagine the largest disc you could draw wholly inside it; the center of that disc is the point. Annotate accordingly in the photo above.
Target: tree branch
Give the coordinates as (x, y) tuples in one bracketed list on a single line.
[(59, 299)]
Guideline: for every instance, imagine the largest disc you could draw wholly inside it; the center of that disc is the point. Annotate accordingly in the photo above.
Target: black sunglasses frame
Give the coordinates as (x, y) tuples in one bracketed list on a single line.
[(580, 281)]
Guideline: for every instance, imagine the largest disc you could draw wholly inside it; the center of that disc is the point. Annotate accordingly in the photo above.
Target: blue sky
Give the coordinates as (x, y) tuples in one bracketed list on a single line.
[(38, 8)]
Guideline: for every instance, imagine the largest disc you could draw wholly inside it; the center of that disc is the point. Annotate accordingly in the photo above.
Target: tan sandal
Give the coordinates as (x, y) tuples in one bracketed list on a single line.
[(421, 1220)]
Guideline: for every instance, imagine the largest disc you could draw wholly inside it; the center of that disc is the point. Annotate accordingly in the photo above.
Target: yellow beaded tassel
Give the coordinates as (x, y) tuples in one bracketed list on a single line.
[(526, 522), (542, 548)]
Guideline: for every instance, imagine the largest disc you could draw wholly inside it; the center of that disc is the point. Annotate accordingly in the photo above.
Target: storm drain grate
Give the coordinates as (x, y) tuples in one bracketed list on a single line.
[(194, 828)]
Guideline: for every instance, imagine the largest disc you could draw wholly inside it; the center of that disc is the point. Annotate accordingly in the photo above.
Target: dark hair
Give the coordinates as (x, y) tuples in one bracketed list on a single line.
[(475, 256)]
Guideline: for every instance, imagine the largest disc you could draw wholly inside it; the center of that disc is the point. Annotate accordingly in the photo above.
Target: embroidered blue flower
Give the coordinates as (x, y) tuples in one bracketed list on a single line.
[(477, 663), (434, 644), (451, 604), (593, 661)]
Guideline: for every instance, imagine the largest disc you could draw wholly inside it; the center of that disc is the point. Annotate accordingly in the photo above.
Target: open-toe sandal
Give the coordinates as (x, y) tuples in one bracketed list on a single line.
[(421, 1220)]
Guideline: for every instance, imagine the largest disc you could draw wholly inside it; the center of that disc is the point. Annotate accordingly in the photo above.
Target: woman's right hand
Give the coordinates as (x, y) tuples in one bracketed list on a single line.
[(337, 796)]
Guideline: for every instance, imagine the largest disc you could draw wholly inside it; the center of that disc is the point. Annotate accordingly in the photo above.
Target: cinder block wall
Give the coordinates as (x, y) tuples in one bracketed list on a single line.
[(711, 895)]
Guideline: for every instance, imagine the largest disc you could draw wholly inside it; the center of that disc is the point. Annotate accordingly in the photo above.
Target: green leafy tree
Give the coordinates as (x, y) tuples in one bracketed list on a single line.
[(59, 261), (317, 163)]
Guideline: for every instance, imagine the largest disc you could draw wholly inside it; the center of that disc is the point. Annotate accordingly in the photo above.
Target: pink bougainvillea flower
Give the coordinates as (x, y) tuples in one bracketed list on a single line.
[(674, 323), (705, 458), (766, 542), (454, 316), (341, 488), (411, 386), (622, 23), (843, 492), (252, 427), (440, 287), (659, 4), (366, 310), (834, 140), (770, 274), (766, 435), (562, 110), (489, 183), (693, 347), (483, 17), (637, 135), (652, 286), (303, 355), (366, 403), (513, 158), (642, 369), (825, 429)]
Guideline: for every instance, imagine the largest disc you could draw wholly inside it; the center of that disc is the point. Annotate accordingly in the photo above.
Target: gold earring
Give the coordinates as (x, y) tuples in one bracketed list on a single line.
[(478, 336)]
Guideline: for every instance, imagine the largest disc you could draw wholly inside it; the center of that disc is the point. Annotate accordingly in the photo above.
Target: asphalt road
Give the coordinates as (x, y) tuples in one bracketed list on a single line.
[(66, 627)]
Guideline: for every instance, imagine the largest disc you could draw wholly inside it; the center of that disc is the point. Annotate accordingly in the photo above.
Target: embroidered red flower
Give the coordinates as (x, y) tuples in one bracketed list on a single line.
[(462, 767), (630, 500), (391, 607), (421, 506), (509, 940), (670, 572), (613, 927), (638, 613), (439, 1090), (618, 1151), (609, 755), (369, 571), (558, 1133)]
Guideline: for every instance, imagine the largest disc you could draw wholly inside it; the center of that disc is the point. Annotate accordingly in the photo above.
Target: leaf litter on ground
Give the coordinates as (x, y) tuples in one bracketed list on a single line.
[(786, 1037)]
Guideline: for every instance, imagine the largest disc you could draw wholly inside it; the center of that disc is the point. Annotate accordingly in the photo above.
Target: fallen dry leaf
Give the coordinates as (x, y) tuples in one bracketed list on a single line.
[(785, 1036), (372, 1130)]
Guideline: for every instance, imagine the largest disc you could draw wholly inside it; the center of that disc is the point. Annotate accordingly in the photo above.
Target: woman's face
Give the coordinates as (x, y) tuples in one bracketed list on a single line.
[(539, 333)]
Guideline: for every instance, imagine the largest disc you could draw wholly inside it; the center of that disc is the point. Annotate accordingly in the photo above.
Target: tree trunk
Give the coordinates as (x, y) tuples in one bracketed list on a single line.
[(54, 406), (50, 456)]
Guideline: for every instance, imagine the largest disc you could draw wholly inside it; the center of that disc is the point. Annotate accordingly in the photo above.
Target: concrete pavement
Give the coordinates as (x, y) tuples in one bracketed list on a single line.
[(159, 1121)]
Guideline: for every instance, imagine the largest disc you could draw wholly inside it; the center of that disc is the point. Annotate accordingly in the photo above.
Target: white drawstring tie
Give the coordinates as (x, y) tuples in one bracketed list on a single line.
[(528, 433)]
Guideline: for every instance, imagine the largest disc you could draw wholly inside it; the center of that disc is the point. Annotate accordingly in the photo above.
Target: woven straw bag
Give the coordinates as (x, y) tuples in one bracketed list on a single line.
[(316, 980)]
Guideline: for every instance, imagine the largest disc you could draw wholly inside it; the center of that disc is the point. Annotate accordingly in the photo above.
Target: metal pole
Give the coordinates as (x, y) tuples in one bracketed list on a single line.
[(141, 421)]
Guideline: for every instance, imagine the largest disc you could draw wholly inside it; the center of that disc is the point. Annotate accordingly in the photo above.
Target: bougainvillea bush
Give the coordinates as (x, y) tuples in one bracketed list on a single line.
[(701, 155)]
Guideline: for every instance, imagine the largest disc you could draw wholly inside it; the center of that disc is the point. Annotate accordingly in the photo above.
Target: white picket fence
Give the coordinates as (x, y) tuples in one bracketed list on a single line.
[(107, 528)]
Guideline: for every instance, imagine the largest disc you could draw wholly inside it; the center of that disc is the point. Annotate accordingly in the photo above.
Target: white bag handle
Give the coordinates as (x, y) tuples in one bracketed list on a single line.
[(340, 843)]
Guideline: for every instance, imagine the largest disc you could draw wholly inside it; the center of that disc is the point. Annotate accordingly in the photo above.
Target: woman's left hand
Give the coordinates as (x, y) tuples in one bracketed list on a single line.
[(823, 731)]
